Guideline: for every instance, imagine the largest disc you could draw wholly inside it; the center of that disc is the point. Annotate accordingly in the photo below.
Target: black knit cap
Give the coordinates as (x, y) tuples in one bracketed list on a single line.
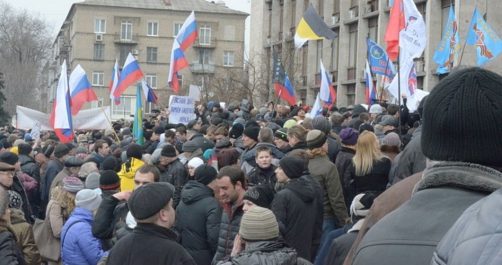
[(109, 180), (462, 118), (134, 150), (236, 131), (60, 150), (205, 174), (252, 132), (149, 199), (292, 166), (282, 134), (261, 195), (9, 158)]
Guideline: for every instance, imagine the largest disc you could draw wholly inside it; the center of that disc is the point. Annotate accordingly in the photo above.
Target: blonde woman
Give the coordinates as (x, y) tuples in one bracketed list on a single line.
[(61, 204), (370, 168)]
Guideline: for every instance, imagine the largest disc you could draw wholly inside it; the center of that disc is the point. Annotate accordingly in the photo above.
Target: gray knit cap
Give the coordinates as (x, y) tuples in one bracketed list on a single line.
[(259, 224)]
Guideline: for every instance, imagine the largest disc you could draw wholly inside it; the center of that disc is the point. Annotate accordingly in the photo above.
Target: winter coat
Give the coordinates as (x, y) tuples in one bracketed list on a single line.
[(25, 238), (326, 174), (126, 174), (150, 146), (374, 181), (411, 159), (229, 228), (248, 159), (259, 176), (30, 167), (334, 147), (267, 253), (149, 244), (10, 254), (96, 158), (109, 222), (417, 226), (202, 142), (54, 166), (78, 245), (198, 219), (17, 186), (300, 215), (385, 203), (475, 236), (339, 248), (343, 163), (58, 180), (177, 175)]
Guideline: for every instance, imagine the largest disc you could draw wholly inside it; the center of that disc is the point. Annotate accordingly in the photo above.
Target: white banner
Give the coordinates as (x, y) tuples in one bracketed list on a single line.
[(182, 109), (194, 92), (93, 119)]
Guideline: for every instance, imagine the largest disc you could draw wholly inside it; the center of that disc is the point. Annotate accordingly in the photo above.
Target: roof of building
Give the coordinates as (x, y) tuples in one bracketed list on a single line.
[(181, 5)]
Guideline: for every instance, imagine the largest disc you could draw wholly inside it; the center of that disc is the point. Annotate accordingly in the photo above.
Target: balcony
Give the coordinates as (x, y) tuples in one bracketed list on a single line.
[(210, 44), (198, 68), (133, 40)]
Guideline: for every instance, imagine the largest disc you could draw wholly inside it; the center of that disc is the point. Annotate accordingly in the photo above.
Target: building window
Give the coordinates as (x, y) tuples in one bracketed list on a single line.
[(334, 52), (98, 78), (151, 79), (99, 51), (153, 29), (205, 35), (351, 94), (228, 58), (125, 108), (126, 30), (204, 56), (177, 27), (352, 45), (151, 54), (99, 25), (373, 28)]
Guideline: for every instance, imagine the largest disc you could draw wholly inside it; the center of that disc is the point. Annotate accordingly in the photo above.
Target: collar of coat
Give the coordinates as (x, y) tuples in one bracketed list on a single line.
[(155, 230), (462, 175)]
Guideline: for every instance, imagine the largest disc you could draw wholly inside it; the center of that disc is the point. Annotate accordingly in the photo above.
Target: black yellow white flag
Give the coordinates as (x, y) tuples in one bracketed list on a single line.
[(312, 27)]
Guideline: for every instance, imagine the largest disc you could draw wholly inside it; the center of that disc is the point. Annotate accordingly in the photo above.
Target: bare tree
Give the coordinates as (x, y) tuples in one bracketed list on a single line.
[(24, 46)]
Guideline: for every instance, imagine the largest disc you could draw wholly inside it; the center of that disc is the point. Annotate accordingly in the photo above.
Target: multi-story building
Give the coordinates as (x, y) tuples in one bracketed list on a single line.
[(95, 33), (273, 25)]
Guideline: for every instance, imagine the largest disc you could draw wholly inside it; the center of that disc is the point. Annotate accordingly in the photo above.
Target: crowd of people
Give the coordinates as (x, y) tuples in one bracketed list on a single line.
[(266, 185)]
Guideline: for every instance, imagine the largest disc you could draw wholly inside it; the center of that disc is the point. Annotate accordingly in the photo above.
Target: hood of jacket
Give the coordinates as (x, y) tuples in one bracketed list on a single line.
[(17, 216), (303, 188), (266, 252), (194, 191)]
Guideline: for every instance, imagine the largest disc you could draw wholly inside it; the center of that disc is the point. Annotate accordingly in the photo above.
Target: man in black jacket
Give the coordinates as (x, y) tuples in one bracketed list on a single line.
[(172, 171), (198, 215), (232, 187), (152, 241), (110, 220)]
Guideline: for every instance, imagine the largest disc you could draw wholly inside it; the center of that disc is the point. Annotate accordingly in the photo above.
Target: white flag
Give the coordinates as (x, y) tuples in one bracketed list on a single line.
[(412, 38)]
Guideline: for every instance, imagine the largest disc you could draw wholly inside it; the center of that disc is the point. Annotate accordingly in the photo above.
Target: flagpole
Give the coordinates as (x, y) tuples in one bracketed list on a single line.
[(399, 90), (110, 123)]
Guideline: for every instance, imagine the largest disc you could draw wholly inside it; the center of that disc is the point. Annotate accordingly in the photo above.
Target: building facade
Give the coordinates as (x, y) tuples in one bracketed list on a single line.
[(345, 57), (98, 32)]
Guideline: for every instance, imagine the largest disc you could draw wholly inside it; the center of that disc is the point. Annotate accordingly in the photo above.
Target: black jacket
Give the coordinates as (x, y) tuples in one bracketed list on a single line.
[(343, 164), (375, 181), (109, 220), (334, 148), (10, 254), (198, 219), (259, 176), (30, 167), (53, 168), (150, 146), (149, 244), (411, 159), (229, 227), (267, 253), (299, 211), (177, 175)]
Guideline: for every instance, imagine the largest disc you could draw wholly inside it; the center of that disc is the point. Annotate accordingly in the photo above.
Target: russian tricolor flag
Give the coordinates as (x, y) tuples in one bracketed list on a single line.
[(61, 113), (148, 91), (130, 74), (114, 82), (186, 37), (327, 91), (80, 89)]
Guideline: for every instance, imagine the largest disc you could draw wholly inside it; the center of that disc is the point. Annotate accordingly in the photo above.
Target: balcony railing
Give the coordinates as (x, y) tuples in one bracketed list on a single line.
[(211, 43), (198, 68), (132, 39)]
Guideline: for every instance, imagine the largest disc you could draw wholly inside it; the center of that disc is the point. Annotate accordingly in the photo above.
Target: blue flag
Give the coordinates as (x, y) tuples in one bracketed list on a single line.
[(379, 61), (137, 128), (488, 44), (447, 51)]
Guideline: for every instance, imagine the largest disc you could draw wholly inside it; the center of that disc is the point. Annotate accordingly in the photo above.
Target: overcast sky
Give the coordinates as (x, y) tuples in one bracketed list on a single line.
[(55, 11)]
